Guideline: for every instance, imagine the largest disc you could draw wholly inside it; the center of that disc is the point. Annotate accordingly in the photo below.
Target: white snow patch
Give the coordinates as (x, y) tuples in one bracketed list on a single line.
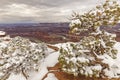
[(82, 59), (39, 75), (2, 33), (74, 22), (16, 77), (52, 59)]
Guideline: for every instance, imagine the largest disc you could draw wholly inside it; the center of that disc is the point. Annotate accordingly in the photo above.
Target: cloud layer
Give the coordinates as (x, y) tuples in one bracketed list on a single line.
[(17, 11)]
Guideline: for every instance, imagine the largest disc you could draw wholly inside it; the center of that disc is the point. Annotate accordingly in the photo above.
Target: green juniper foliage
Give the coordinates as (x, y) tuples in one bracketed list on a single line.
[(87, 56)]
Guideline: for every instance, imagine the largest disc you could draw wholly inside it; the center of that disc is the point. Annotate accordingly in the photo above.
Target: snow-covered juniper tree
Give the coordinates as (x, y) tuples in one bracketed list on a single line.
[(94, 55), (20, 55), (106, 14)]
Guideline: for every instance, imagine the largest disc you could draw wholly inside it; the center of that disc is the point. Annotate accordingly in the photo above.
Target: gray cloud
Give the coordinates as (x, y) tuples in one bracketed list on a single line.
[(42, 10)]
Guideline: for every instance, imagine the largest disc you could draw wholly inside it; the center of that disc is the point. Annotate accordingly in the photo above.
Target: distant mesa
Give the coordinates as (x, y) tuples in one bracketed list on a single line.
[(48, 32)]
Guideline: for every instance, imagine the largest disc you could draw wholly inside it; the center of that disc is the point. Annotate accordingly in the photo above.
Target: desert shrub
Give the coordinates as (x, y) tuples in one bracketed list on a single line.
[(20, 55), (84, 57)]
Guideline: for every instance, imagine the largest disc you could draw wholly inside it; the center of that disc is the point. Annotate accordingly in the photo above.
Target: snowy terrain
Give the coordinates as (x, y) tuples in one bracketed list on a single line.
[(52, 59)]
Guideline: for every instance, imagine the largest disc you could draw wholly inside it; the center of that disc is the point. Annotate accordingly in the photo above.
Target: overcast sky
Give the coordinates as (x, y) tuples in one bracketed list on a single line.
[(17, 11)]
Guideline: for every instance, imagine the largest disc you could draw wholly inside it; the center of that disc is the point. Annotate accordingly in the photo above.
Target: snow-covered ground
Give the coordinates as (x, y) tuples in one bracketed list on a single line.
[(52, 59)]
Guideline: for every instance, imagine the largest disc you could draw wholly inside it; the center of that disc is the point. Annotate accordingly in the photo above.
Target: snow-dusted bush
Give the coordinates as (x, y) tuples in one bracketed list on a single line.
[(20, 55), (93, 55), (84, 57)]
